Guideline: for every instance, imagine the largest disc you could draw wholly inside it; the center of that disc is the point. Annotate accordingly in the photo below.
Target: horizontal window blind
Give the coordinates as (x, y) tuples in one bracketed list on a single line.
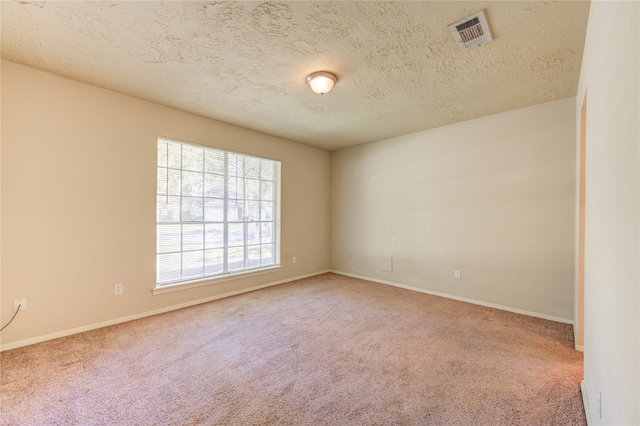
[(217, 212)]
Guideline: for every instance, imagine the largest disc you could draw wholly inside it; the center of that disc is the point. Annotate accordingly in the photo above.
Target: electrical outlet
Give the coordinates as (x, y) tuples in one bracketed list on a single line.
[(457, 273), (294, 260), (598, 402), (22, 303), (117, 289)]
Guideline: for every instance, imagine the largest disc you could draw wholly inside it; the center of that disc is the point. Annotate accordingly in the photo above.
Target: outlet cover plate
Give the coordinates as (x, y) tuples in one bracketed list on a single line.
[(22, 302)]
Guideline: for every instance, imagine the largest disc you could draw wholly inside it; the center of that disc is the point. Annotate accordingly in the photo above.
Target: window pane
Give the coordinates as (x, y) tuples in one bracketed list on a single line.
[(168, 267), (169, 238), (267, 190), (235, 235), (213, 262), (192, 264), (254, 257), (192, 209), (213, 186), (168, 209), (266, 232), (253, 233), (267, 171), (267, 255), (162, 180), (253, 210), (253, 189), (236, 258), (214, 162), (235, 164), (214, 235), (236, 188), (192, 158), (213, 210), (162, 154), (252, 167), (235, 210), (192, 183), (175, 182), (174, 155), (266, 210), (192, 237)]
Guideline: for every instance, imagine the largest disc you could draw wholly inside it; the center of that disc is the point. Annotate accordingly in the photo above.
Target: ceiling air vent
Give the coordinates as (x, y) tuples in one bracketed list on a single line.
[(471, 31)]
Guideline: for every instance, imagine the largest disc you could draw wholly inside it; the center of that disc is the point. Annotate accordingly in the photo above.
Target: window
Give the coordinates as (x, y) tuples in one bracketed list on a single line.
[(217, 213)]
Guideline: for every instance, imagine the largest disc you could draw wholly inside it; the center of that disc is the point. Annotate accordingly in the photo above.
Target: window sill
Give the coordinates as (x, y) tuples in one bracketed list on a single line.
[(213, 280)]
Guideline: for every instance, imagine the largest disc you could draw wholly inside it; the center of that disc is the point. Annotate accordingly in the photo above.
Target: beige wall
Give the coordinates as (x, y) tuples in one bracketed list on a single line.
[(78, 203), (493, 197), (609, 74)]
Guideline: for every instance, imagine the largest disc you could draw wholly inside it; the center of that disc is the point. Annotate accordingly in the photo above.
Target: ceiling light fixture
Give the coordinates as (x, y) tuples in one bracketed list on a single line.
[(321, 82)]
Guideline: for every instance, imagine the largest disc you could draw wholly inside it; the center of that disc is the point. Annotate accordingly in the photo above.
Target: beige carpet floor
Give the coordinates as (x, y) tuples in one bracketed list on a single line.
[(327, 350)]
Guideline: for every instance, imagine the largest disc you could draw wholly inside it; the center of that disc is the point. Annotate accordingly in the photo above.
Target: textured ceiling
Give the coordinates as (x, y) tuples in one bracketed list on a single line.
[(399, 69)]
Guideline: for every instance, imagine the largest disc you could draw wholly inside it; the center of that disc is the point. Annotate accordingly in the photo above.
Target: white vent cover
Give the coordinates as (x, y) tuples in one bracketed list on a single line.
[(471, 31)]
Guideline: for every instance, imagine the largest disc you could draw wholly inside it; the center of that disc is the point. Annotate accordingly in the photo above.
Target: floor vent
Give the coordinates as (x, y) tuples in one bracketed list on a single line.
[(471, 31)]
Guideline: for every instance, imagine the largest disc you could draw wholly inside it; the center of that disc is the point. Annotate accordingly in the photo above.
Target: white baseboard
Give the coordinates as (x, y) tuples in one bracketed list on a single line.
[(579, 348), (585, 402), (462, 299), (69, 332)]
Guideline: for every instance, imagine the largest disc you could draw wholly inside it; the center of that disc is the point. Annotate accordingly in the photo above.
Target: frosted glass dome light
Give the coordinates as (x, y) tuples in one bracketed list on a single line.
[(321, 82)]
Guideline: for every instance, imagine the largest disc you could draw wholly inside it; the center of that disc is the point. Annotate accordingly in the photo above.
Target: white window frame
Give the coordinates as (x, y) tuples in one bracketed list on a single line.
[(237, 214)]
